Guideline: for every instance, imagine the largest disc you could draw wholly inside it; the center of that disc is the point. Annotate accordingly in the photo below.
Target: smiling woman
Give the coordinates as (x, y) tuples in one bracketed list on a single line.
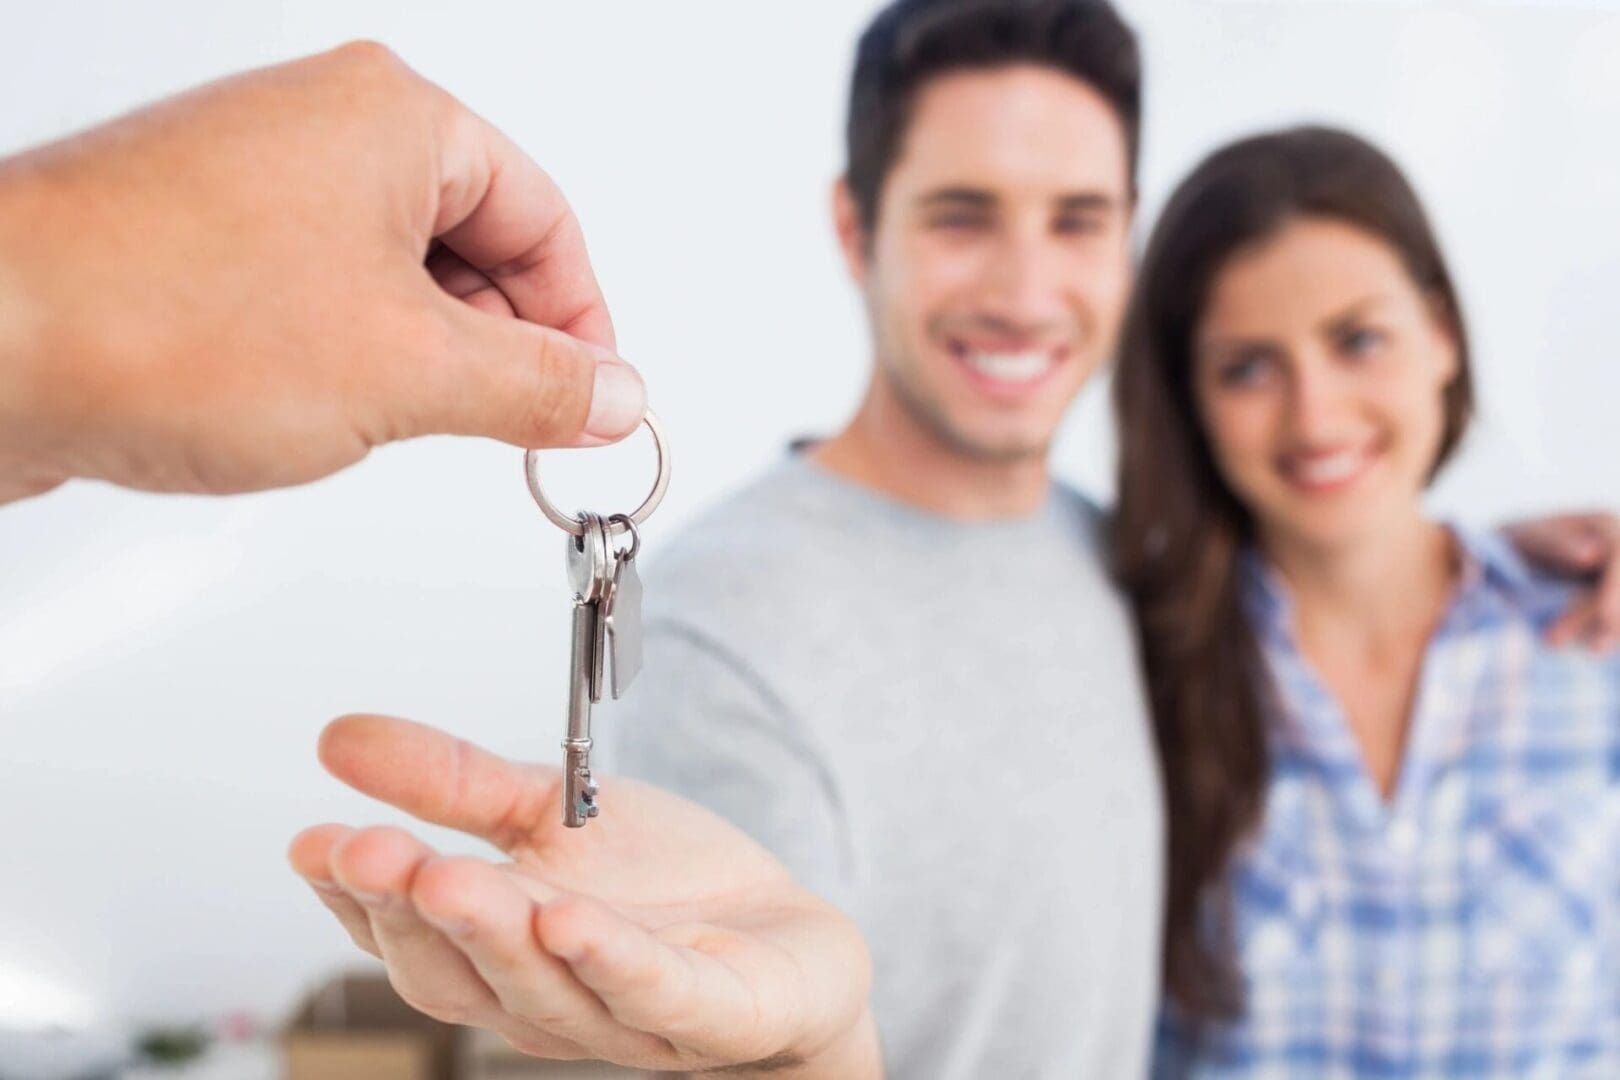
[(1317, 364), (1237, 396), (1348, 695)]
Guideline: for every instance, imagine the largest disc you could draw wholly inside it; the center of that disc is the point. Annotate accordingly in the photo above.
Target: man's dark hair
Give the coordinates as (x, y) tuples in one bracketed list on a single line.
[(912, 41)]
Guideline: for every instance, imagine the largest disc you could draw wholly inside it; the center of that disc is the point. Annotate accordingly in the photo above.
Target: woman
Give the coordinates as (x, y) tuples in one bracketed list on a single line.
[(1394, 809)]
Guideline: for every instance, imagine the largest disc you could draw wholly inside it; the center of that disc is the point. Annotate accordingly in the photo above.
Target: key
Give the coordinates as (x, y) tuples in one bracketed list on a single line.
[(607, 617), (621, 613), (590, 572), (621, 625)]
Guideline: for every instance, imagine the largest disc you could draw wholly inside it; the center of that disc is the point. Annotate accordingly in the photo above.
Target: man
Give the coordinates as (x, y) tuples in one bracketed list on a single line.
[(896, 660)]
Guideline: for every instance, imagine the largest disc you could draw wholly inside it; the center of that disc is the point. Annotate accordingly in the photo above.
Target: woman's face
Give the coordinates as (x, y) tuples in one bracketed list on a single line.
[(1319, 368)]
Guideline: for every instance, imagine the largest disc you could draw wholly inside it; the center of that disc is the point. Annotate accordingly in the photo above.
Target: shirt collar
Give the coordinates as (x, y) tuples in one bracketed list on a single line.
[(1492, 569), (1491, 562), (1495, 586)]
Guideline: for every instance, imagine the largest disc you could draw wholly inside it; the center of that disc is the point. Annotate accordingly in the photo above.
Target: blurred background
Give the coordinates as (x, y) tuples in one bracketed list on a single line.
[(166, 663)]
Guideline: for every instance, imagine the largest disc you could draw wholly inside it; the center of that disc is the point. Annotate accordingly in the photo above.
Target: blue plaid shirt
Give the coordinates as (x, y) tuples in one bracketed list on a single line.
[(1469, 927)]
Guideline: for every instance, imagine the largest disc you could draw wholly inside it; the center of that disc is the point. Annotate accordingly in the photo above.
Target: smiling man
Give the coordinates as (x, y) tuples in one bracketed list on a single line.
[(896, 659)]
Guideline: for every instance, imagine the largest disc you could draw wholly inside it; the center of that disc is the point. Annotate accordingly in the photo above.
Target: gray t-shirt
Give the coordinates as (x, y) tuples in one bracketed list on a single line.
[(940, 727)]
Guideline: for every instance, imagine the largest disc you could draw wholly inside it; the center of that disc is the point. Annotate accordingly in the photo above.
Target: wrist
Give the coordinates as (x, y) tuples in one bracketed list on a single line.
[(855, 1054), (31, 458)]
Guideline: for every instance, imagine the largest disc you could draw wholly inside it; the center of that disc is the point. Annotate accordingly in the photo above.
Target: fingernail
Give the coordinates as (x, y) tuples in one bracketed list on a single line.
[(618, 401), (371, 900), (323, 886)]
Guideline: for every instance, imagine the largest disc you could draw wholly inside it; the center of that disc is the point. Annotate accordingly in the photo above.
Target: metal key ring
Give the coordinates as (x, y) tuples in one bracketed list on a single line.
[(572, 525), (635, 535)]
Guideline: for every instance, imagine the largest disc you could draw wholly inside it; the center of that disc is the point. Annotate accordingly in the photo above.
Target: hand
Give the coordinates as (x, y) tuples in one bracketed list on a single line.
[(657, 937), (254, 283), (1585, 546)]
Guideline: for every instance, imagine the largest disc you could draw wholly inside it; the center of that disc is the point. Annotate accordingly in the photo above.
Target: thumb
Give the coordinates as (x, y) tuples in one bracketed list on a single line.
[(439, 778), (529, 385), (1565, 544)]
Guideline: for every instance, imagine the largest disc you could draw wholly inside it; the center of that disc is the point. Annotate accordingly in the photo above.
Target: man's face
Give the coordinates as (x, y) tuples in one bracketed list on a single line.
[(997, 270)]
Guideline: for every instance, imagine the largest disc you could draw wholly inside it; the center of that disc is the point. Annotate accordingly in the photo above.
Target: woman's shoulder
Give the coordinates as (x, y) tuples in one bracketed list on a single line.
[(1501, 589), (1493, 567)]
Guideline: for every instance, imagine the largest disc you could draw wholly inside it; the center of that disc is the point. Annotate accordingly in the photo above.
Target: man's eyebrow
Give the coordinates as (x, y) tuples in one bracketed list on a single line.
[(957, 196), (1087, 201), (1071, 202)]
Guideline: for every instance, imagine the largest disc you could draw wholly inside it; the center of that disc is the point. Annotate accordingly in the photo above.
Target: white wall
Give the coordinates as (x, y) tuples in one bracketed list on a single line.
[(166, 663)]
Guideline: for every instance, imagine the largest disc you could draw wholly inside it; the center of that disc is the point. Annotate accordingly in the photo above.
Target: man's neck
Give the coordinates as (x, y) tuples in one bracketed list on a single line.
[(886, 449)]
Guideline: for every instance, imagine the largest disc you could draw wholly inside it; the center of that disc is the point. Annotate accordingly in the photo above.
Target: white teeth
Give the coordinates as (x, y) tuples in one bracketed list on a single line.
[(1011, 367), (1328, 469)]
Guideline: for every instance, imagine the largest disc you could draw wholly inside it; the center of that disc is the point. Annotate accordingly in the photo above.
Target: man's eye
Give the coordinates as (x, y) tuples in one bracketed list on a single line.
[(960, 222), (1079, 225)]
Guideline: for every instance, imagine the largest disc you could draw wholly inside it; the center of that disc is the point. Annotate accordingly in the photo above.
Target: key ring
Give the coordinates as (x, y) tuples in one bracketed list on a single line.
[(573, 525), (635, 535)]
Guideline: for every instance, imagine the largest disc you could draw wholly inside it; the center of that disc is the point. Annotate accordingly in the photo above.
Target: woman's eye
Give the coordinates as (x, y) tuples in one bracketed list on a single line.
[(1362, 341), (1244, 371)]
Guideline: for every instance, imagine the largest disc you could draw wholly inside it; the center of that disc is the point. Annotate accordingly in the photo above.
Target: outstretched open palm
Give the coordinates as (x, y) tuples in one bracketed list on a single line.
[(659, 937)]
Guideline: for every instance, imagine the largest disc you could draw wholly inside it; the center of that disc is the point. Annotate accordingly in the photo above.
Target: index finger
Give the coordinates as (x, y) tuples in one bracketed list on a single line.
[(505, 216), (1566, 543)]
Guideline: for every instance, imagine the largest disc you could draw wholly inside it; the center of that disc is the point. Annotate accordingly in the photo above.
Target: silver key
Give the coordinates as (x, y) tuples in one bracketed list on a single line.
[(590, 572), (607, 617), (621, 623)]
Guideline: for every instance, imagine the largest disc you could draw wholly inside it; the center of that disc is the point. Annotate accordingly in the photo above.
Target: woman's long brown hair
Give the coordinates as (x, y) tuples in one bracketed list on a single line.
[(1179, 531)]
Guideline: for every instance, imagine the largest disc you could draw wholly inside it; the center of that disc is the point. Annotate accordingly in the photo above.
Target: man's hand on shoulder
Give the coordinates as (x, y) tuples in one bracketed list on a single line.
[(1583, 547)]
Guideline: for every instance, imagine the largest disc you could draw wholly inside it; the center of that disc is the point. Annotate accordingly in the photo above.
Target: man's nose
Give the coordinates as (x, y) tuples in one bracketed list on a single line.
[(1025, 282)]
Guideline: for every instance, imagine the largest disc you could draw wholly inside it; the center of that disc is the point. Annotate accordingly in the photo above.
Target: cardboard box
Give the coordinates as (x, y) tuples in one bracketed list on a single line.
[(355, 1026), (349, 1056)]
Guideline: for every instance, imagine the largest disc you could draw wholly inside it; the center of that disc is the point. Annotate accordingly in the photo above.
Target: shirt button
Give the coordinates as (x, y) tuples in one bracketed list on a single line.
[(1403, 837)]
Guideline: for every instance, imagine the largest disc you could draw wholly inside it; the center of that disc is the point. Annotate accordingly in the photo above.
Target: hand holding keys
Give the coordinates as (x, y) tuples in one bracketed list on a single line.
[(606, 647)]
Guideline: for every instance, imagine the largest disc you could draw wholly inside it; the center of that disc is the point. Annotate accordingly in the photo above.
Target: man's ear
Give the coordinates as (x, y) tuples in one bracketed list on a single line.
[(852, 236)]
